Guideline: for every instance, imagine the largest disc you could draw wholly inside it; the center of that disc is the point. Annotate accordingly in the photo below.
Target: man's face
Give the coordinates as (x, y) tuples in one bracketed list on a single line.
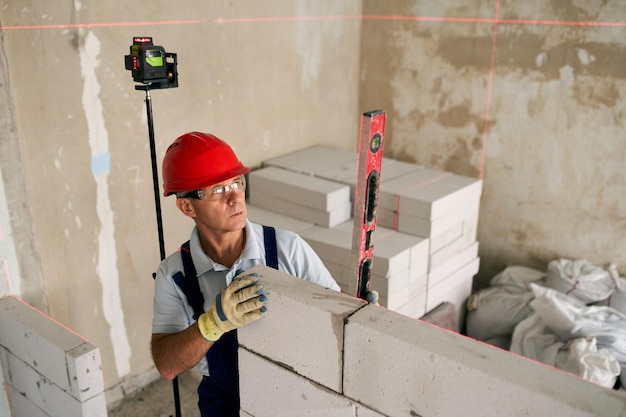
[(220, 208)]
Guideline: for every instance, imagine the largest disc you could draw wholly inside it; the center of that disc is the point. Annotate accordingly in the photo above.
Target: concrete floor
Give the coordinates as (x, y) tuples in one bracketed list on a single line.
[(157, 399)]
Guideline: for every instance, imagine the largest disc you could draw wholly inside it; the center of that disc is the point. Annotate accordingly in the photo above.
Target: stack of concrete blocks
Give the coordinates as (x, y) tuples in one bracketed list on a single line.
[(319, 352), (399, 270), (304, 197), (49, 370), (444, 208), (437, 207)]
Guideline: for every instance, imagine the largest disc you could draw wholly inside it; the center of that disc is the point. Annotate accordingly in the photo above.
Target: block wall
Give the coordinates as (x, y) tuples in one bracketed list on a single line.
[(322, 353), (49, 371)]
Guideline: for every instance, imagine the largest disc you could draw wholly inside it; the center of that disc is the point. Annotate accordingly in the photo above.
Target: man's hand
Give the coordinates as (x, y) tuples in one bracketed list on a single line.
[(242, 302)]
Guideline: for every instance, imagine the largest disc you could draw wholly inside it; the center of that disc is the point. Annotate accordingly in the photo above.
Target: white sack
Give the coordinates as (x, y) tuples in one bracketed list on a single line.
[(581, 357), (518, 276), (568, 319), (495, 311), (618, 298), (581, 279), (534, 340)]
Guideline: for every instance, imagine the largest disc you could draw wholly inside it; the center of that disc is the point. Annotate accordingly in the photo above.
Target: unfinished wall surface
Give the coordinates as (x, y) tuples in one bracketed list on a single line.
[(75, 154), (346, 358), (528, 96), (485, 89)]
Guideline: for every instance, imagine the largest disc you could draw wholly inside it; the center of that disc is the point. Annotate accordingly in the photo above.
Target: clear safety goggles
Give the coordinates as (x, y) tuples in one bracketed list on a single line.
[(218, 192)]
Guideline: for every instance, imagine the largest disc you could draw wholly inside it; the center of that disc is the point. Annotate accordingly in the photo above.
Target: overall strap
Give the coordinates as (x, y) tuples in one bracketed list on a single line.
[(271, 253), (188, 282), (219, 391)]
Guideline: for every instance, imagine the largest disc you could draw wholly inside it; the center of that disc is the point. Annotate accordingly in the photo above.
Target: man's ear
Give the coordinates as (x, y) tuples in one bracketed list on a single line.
[(185, 207)]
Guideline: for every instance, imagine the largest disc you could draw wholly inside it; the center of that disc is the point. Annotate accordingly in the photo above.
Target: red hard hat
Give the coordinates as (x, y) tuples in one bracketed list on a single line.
[(197, 160)]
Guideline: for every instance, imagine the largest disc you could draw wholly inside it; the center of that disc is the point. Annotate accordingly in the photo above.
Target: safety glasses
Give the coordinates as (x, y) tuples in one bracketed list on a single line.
[(218, 192)]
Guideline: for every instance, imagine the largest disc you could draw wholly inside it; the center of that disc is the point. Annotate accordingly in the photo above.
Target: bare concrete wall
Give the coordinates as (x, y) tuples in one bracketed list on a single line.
[(79, 167), (528, 96)]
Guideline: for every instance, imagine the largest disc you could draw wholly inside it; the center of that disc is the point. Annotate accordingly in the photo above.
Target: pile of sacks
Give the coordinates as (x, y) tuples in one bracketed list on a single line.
[(572, 317)]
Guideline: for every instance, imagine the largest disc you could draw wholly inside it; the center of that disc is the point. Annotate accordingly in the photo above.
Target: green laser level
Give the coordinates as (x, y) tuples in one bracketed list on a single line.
[(150, 64)]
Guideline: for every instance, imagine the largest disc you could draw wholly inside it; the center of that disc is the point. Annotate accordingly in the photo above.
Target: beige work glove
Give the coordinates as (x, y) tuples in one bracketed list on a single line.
[(242, 302)]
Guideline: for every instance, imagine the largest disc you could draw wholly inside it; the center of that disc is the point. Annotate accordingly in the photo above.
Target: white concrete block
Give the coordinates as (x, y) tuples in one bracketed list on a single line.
[(415, 307), (466, 238), (271, 218), (428, 193), (454, 289), (21, 406), (389, 244), (346, 173), (448, 236), (391, 190), (394, 291), (319, 217), (269, 389), (48, 396), (432, 227), (397, 299), (306, 317), (305, 190), (313, 160), (84, 369), (449, 267), (406, 367), (394, 253), (37, 340)]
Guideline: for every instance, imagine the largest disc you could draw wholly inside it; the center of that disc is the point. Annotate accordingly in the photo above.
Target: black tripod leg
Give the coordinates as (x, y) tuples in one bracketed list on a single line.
[(157, 201)]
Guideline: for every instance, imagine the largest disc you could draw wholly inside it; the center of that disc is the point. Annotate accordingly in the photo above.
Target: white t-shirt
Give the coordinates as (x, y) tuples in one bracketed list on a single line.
[(171, 310)]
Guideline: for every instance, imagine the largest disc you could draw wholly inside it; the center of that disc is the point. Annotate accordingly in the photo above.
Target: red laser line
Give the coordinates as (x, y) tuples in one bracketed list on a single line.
[(496, 20), (489, 85), (93, 25), (396, 210), (6, 270), (51, 319)]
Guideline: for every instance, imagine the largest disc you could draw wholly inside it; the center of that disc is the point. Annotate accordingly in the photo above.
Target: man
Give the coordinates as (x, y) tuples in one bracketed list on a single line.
[(197, 303)]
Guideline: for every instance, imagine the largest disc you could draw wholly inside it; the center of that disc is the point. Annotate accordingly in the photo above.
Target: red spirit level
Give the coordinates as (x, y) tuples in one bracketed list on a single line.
[(366, 201)]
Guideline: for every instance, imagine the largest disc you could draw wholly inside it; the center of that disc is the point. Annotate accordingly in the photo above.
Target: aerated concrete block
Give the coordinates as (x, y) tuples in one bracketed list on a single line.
[(319, 217), (271, 218), (305, 190), (347, 173), (394, 252), (308, 319), (42, 392), (269, 389), (57, 353), (313, 160), (455, 238), (454, 289), (450, 266), (415, 307), (406, 367), (21, 406), (394, 291), (428, 193)]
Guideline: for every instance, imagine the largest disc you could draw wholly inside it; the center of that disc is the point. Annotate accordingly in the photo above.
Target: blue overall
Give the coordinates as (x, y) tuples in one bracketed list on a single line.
[(219, 393)]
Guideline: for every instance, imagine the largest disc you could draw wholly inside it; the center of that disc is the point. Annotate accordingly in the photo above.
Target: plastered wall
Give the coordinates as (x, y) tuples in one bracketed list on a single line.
[(75, 151), (528, 96), (478, 88)]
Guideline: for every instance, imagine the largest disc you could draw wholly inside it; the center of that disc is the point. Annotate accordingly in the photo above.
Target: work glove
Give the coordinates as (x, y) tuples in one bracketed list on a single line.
[(242, 302)]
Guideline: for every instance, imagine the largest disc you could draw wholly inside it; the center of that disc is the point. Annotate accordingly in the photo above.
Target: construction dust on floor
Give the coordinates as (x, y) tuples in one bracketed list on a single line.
[(157, 399)]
